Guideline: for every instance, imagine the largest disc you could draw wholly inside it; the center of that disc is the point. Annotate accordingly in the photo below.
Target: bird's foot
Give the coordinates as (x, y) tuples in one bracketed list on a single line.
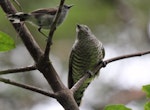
[(103, 63), (39, 29), (90, 72)]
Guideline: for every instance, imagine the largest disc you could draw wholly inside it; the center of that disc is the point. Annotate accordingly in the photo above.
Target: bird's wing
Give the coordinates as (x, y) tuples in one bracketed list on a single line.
[(103, 51), (70, 79), (51, 11)]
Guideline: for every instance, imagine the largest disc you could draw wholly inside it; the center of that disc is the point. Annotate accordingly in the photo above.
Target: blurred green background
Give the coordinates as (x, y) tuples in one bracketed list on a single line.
[(123, 27)]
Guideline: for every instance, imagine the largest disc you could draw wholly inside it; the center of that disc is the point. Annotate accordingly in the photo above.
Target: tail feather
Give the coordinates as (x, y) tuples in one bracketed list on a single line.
[(80, 92), (18, 17)]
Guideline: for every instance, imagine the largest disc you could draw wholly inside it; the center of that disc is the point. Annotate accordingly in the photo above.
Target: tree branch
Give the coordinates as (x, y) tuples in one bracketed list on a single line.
[(28, 87), (127, 56), (80, 82), (101, 64), (17, 70), (53, 28)]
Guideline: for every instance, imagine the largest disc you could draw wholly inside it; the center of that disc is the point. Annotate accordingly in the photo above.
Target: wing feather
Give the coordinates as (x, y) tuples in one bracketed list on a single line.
[(70, 79)]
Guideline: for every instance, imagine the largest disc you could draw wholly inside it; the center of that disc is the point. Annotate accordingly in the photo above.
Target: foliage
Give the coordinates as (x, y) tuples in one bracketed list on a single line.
[(147, 106), (6, 42), (116, 107), (146, 89)]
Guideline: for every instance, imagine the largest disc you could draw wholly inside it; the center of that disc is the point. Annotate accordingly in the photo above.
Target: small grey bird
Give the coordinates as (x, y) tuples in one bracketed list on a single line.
[(86, 53), (43, 18)]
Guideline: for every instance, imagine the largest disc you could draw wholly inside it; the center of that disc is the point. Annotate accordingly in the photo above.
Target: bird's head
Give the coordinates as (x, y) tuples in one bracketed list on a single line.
[(83, 30)]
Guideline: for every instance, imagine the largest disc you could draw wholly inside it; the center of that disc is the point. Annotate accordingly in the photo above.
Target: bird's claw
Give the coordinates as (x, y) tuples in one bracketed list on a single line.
[(90, 72)]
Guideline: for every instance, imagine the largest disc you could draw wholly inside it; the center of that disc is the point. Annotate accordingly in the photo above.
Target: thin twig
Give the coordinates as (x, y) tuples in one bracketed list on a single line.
[(78, 84), (126, 56), (28, 87), (53, 28), (17, 70)]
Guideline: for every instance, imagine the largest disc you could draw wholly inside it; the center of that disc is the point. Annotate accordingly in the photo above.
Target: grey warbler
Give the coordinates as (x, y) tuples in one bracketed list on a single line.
[(43, 18)]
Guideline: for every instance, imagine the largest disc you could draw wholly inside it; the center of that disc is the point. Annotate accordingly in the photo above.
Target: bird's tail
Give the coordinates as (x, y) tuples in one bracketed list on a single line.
[(80, 92), (18, 17)]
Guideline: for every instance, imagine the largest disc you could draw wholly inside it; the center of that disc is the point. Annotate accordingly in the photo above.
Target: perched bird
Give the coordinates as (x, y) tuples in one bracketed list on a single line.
[(43, 18), (86, 53)]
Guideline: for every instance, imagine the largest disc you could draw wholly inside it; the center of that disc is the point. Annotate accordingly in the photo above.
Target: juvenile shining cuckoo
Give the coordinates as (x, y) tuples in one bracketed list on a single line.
[(86, 53)]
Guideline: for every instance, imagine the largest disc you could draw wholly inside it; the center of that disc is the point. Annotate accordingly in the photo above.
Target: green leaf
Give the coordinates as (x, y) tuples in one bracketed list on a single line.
[(147, 106), (116, 107), (146, 89), (6, 42)]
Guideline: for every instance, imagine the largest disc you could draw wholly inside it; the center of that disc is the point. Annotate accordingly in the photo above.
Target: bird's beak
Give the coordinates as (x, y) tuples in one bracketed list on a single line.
[(70, 6)]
